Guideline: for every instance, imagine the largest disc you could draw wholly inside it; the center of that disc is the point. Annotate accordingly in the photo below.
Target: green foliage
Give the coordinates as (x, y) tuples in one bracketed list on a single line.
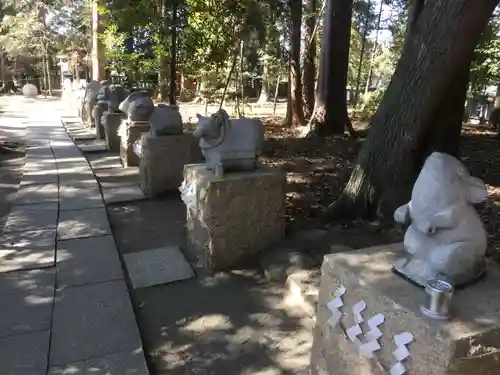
[(370, 101)]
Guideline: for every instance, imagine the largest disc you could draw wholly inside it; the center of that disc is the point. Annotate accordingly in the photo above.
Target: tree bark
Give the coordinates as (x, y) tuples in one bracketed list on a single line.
[(309, 66), (295, 106), (330, 112), (403, 130), (173, 55)]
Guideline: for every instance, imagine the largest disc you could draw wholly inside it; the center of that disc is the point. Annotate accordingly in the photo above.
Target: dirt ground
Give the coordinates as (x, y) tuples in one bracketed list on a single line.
[(317, 171)]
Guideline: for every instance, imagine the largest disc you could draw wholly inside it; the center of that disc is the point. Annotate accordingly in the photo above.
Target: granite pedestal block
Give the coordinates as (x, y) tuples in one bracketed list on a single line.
[(467, 344), (111, 123), (132, 133), (234, 217), (161, 165)]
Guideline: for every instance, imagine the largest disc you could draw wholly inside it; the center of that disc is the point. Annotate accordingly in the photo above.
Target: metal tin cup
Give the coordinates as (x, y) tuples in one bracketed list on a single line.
[(439, 298)]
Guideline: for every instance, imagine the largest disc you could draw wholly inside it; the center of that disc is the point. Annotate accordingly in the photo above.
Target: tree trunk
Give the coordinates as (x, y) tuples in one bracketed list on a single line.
[(264, 89), (228, 78), (330, 113), (48, 71), (309, 74), (424, 88), (173, 55), (295, 106), (161, 9), (362, 54)]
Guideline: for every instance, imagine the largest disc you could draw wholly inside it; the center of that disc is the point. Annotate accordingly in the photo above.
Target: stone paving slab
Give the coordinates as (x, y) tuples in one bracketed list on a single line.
[(104, 162), (24, 354), (27, 250), (87, 260), (27, 299), (157, 266), (84, 137), (79, 197), (126, 363), (122, 194), (33, 178), (32, 217), (37, 194), (92, 321), (93, 147), (82, 223)]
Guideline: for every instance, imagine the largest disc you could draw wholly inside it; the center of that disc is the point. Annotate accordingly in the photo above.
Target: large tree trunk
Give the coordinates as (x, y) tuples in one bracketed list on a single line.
[(295, 106), (403, 130), (173, 56), (309, 73), (330, 113)]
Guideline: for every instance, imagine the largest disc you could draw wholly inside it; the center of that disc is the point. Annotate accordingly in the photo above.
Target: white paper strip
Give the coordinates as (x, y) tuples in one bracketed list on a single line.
[(352, 333), (401, 353), (371, 337), (356, 311), (335, 305)]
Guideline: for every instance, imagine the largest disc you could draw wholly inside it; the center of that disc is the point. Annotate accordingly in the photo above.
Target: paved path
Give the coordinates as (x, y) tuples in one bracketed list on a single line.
[(65, 305)]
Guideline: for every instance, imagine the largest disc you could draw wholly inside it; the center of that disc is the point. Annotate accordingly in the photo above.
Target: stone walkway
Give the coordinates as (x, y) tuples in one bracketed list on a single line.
[(66, 307)]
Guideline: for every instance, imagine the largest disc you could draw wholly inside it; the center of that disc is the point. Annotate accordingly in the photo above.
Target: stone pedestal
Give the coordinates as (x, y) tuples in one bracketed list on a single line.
[(111, 123), (162, 162), (131, 134), (467, 344), (234, 217)]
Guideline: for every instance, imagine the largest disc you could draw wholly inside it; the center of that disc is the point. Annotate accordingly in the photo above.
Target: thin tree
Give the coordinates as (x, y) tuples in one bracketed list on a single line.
[(295, 106), (309, 66)]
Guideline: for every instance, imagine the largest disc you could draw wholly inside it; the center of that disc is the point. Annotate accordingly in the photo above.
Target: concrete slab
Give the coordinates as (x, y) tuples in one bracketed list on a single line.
[(37, 194), (82, 223), (87, 260), (106, 161), (157, 266), (117, 177), (126, 363), (25, 354), (32, 217), (28, 297), (97, 147), (84, 137), (84, 195), (27, 250), (91, 321), (32, 178), (122, 194)]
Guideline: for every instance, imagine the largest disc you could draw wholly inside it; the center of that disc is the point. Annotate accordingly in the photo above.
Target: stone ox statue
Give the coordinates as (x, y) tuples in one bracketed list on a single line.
[(446, 238), (232, 144)]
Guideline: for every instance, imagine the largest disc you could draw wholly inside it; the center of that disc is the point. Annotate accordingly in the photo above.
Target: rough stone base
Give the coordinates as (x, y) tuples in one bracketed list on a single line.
[(133, 133), (111, 124), (162, 163), (467, 344), (235, 217)]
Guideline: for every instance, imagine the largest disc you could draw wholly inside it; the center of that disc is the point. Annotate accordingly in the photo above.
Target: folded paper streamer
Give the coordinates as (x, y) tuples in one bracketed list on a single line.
[(401, 353), (335, 305), (371, 344)]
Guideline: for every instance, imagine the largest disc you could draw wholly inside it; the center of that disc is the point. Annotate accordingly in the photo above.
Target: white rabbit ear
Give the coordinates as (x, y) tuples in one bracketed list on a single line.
[(475, 190)]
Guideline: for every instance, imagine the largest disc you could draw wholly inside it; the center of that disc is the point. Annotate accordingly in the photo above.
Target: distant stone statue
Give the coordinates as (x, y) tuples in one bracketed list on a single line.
[(89, 101), (117, 94), (229, 144), (166, 120), (29, 90), (446, 238), (138, 106)]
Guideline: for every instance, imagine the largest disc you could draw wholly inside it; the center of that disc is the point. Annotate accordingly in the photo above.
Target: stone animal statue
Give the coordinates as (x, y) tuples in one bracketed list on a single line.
[(165, 120), (446, 238), (89, 101), (138, 106), (232, 144)]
